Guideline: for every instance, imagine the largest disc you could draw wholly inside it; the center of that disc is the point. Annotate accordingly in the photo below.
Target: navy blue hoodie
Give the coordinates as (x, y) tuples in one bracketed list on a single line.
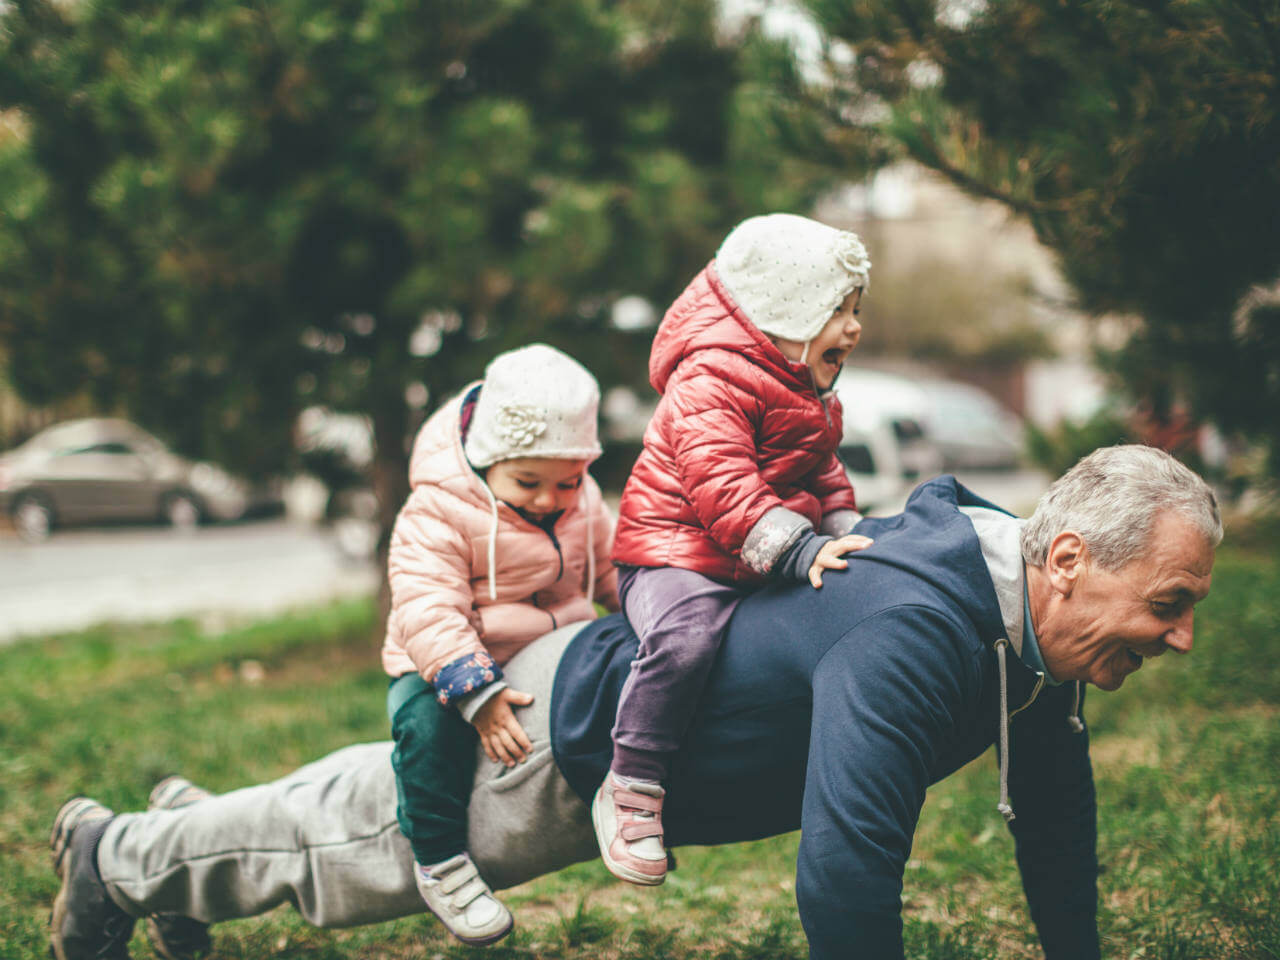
[(833, 710)]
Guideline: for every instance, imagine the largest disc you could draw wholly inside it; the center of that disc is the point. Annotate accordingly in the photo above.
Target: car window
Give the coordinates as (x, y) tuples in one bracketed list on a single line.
[(113, 447), (857, 457)]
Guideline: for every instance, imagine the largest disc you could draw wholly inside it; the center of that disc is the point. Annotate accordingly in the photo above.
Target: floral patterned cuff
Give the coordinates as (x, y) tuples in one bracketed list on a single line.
[(465, 675)]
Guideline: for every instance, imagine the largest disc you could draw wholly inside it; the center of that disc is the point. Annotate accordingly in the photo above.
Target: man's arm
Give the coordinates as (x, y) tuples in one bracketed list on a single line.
[(1055, 825), (885, 699)]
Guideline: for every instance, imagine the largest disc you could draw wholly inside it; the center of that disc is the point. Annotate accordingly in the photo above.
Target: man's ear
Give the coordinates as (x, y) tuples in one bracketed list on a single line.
[(1066, 561)]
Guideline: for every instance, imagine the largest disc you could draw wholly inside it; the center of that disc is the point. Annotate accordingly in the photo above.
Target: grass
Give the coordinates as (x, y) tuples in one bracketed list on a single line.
[(1187, 758)]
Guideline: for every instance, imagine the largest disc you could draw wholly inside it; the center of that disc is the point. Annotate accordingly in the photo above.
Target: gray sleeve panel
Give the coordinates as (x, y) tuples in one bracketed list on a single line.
[(470, 705), (525, 820), (839, 522), (771, 537), (325, 836)]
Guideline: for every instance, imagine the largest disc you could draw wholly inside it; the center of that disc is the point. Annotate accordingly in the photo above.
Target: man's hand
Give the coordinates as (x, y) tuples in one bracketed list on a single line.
[(831, 554), (503, 738)]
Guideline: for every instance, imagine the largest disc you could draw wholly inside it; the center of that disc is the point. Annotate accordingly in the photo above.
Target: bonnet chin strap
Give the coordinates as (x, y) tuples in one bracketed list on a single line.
[(804, 354)]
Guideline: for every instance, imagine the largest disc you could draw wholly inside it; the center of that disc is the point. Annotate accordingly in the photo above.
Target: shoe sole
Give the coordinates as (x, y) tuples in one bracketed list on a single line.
[(471, 941), (621, 871), (70, 815), (171, 788)]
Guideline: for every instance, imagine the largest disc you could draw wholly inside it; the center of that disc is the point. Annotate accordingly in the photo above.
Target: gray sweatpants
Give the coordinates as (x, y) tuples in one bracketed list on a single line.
[(325, 837)]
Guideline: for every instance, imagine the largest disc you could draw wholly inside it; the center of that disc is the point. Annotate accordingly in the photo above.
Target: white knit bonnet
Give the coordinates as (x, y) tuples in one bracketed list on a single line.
[(534, 402), (789, 274)]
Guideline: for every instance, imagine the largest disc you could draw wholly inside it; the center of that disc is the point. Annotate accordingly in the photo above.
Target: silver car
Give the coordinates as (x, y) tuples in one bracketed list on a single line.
[(96, 470)]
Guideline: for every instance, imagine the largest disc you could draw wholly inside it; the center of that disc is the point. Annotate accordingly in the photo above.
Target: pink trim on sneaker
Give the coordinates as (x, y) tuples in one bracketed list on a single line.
[(625, 818)]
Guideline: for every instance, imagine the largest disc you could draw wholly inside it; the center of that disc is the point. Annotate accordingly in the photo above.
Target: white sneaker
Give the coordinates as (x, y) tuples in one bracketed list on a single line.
[(628, 819), (456, 894)]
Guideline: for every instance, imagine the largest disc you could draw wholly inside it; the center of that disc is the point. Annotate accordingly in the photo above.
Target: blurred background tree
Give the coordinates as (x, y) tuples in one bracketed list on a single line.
[(1139, 139), (214, 215)]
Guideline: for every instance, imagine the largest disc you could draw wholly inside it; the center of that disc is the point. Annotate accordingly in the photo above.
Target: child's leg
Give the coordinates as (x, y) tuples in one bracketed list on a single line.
[(435, 763), (680, 617)]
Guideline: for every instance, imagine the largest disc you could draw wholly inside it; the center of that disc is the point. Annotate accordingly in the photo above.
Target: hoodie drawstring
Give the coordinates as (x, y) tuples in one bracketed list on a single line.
[(493, 542), (591, 550), (1006, 811), (1074, 721)]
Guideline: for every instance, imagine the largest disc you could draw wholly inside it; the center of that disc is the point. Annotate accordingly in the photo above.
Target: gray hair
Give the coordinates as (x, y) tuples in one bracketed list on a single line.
[(1112, 498)]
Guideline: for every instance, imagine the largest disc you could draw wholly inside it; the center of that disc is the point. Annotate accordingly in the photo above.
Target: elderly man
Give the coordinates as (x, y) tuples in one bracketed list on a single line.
[(962, 627)]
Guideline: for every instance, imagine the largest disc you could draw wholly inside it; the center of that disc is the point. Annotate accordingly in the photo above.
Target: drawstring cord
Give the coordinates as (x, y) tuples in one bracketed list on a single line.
[(591, 549), (493, 542), (1074, 721), (1006, 811)]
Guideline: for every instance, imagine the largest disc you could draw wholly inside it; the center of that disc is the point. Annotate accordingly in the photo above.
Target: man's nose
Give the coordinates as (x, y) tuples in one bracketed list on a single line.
[(1179, 637)]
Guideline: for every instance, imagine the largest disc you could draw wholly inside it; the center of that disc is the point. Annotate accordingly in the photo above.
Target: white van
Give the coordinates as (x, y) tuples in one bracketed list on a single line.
[(886, 448)]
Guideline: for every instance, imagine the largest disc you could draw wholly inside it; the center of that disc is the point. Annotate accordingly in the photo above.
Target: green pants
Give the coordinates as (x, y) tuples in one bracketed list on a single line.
[(435, 763)]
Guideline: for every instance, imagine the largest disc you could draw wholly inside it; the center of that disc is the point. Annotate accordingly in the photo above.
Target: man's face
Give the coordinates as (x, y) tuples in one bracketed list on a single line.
[(1112, 620)]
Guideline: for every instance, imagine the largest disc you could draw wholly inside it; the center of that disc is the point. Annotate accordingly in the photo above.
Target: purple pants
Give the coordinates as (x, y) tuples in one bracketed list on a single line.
[(680, 617)]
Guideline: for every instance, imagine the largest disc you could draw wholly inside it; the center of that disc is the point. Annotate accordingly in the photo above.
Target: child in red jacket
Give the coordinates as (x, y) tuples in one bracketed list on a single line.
[(738, 482)]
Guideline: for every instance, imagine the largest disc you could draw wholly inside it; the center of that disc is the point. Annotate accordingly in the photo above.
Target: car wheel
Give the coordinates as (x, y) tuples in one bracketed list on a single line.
[(32, 517), (181, 511)]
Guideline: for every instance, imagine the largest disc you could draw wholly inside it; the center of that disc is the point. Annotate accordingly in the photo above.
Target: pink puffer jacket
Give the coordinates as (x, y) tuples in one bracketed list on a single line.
[(441, 607)]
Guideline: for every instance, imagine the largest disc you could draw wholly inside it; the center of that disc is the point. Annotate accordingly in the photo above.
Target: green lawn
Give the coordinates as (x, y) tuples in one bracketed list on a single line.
[(1187, 758)]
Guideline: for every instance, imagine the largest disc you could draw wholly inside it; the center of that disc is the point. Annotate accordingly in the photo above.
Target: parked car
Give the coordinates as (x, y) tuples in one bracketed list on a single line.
[(99, 470), (886, 448), (971, 429)]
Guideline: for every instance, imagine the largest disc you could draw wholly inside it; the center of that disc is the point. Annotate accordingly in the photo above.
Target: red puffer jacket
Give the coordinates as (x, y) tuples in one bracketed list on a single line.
[(740, 431)]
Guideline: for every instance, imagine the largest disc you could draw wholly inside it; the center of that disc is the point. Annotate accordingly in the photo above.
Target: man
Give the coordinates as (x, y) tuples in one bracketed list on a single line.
[(961, 627)]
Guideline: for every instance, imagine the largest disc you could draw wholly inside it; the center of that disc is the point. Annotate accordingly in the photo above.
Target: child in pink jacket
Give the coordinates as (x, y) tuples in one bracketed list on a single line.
[(504, 538)]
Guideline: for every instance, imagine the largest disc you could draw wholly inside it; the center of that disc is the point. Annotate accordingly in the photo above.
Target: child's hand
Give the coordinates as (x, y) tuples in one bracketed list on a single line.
[(829, 557), (503, 738)]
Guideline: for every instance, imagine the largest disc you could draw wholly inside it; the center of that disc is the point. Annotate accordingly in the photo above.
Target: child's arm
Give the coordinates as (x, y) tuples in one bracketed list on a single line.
[(429, 570), (432, 605), (713, 446)]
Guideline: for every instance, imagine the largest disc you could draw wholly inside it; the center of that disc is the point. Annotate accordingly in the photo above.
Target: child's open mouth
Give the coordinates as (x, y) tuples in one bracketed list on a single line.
[(833, 357)]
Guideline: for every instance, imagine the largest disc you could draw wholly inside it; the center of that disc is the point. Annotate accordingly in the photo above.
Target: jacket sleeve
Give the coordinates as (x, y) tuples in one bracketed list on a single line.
[(429, 571), (885, 699), (830, 484), (1055, 825), (713, 444), (606, 586)]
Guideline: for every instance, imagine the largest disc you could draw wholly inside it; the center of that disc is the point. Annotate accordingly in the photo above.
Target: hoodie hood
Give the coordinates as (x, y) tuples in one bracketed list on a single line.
[(706, 317)]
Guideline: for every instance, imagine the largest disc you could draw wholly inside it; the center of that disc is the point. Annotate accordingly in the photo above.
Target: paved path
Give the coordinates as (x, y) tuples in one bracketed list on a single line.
[(80, 578)]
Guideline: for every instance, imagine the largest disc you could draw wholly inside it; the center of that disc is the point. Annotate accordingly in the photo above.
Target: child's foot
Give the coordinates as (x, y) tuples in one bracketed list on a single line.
[(628, 822), (456, 894)]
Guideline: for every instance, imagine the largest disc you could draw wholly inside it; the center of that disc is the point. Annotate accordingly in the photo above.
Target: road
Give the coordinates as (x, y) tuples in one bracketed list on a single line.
[(81, 578), (84, 577)]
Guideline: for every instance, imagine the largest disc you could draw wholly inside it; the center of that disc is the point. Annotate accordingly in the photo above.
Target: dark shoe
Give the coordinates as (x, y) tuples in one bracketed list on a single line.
[(85, 924), (173, 936), (174, 792)]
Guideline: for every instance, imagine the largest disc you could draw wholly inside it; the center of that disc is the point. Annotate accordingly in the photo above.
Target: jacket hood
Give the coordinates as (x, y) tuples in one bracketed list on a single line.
[(706, 317), (439, 460), (950, 557)]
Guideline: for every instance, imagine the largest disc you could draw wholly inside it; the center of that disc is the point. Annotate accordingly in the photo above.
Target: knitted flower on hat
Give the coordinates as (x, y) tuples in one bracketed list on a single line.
[(789, 274), (534, 402)]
